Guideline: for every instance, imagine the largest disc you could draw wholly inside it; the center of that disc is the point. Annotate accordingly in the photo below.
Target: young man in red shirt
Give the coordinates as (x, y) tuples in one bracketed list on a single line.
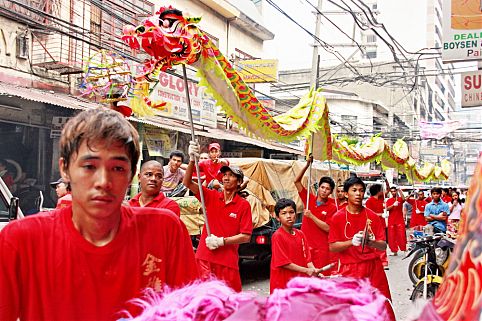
[(316, 219), (211, 167), (347, 233), (397, 238), (230, 223), (290, 254), (446, 196), (150, 179), (86, 261), (63, 193), (376, 203), (418, 218), (341, 201)]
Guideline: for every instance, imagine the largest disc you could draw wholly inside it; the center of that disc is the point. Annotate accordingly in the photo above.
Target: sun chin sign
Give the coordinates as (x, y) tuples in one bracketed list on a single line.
[(472, 89), (258, 70), (462, 30)]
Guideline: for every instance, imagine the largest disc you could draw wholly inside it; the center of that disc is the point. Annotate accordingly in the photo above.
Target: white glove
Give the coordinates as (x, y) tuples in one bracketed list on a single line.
[(385, 215), (193, 150), (371, 237), (357, 239), (213, 242)]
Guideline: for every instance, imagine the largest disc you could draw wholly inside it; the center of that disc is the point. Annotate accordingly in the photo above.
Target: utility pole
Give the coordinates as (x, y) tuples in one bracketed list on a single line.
[(314, 61)]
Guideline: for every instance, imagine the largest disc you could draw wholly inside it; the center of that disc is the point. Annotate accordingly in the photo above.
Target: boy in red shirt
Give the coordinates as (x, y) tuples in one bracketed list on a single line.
[(316, 219), (418, 218), (290, 254), (347, 234), (376, 203), (151, 178), (211, 166), (230, 223), (397, 238), (85, 262)]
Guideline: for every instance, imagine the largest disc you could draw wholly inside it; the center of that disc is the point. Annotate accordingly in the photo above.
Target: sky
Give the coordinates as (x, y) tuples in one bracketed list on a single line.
[(291, 44)]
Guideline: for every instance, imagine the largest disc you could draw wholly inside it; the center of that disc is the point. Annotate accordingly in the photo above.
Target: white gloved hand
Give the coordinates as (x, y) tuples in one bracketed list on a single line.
[(357, 239), (193, 150), (213, 242), (385, 215), (371, 237)]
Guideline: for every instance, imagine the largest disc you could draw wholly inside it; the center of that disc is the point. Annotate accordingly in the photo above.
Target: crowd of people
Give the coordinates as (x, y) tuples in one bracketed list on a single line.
[(89, 257)]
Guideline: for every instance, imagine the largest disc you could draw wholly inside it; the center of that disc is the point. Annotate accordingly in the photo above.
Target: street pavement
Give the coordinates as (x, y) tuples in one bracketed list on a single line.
[(255, 277)]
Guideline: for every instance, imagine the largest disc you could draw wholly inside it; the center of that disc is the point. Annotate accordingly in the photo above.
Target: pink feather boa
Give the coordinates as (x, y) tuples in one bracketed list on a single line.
[(341, 299)]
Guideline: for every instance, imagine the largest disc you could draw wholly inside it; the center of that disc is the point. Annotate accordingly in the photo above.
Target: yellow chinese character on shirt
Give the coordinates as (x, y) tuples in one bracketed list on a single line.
[(150, 264)]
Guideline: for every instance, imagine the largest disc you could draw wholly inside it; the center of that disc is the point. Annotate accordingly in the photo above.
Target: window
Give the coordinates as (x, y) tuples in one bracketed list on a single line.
[(349, 122), (114, 15), (371, 54), (95, 24), (371, 38)]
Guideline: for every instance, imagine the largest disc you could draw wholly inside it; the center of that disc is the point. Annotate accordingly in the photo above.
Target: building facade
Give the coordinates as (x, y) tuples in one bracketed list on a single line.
[(46, 46)]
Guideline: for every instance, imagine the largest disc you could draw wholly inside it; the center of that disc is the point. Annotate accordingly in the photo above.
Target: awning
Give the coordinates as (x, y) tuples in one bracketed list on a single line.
[(45, 96), (72, 102)]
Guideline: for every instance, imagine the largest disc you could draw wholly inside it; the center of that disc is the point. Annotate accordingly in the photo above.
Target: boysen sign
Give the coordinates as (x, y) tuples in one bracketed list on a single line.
[(462, 30), (170, 89), (472, 89)]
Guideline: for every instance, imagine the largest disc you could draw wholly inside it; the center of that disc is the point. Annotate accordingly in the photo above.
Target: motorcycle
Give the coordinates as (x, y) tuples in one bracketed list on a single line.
[(417, 263), (428, 270)]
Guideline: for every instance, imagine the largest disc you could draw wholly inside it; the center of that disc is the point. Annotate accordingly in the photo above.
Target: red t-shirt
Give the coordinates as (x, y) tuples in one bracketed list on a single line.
[(342, 205), (317, 238), (287, 248), (160, 201), (211, 169), (50, 272), (345, 225), (418, 217), (396, 213), (447, 199), (224, 220), (376, 205), (64, 201)]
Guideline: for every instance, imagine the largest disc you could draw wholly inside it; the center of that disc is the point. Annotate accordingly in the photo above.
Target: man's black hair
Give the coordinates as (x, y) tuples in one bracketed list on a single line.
[(436, 190), (283, 203), (375, 189), (446, 190), (328, 180), (177, 153), (353, 181)]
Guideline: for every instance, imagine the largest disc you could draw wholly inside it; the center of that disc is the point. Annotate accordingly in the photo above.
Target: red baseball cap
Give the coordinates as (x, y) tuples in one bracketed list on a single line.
[(215, 146)]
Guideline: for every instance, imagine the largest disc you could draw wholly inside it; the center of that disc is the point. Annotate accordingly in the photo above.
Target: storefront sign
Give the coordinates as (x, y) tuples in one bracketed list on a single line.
[(170, 89), (258, 70), (57, 125), (472, 89), (462, 30), (160, 142)]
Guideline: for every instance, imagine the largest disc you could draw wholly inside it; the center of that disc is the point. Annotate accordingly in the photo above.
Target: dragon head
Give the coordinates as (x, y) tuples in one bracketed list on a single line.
[(169, 38)]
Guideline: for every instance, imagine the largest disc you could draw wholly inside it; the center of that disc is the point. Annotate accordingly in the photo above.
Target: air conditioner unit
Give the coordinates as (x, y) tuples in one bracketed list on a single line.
[(22, 46)]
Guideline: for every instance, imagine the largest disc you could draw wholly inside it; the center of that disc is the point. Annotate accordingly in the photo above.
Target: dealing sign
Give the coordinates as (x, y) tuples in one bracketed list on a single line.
[(462, 30), (258, 70)]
